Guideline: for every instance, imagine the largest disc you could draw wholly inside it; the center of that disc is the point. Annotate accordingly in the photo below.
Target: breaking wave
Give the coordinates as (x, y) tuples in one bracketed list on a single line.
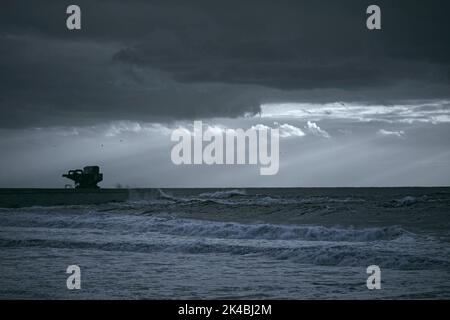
[(390, 246), (209, 229), (406, 201), (326, 255), (222, 194), (276, 232)]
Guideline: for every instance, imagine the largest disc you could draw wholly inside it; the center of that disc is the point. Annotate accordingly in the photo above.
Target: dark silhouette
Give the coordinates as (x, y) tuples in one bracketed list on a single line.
[(86, 178)]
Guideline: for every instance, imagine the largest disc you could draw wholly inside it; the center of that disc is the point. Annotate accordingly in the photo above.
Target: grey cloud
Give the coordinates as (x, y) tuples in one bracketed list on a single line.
[(168, 60), (398, 134), (46, 82), (295, 45), (316, 130), (432, 111)]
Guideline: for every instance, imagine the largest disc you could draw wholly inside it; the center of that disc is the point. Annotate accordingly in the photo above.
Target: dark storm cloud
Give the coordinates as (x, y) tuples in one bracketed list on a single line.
[(301, 45), (147, 60)]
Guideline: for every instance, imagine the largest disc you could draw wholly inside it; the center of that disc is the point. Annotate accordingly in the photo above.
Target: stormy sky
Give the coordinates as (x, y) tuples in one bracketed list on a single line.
[(355, 107)]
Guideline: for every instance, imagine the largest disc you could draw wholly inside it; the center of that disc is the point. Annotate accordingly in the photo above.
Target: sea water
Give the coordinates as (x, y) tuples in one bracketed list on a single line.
[(278, 243)]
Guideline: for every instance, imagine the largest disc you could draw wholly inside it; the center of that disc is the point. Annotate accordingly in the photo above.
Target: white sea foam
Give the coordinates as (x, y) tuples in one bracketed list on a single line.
[(406, 201), (222, 194)]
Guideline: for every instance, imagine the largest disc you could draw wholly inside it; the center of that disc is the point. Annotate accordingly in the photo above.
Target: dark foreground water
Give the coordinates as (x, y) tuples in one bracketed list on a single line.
[(243, 243)]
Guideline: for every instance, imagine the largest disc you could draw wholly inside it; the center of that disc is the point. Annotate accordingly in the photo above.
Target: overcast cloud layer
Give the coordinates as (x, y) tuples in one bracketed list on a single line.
[(153, 60)]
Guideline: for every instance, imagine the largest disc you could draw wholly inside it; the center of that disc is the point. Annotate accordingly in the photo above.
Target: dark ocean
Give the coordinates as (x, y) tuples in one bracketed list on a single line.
[(279, 243)]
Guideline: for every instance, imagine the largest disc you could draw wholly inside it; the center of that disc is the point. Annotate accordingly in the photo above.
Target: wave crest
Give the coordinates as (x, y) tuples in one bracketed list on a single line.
[(222, 194), (279, 232)]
